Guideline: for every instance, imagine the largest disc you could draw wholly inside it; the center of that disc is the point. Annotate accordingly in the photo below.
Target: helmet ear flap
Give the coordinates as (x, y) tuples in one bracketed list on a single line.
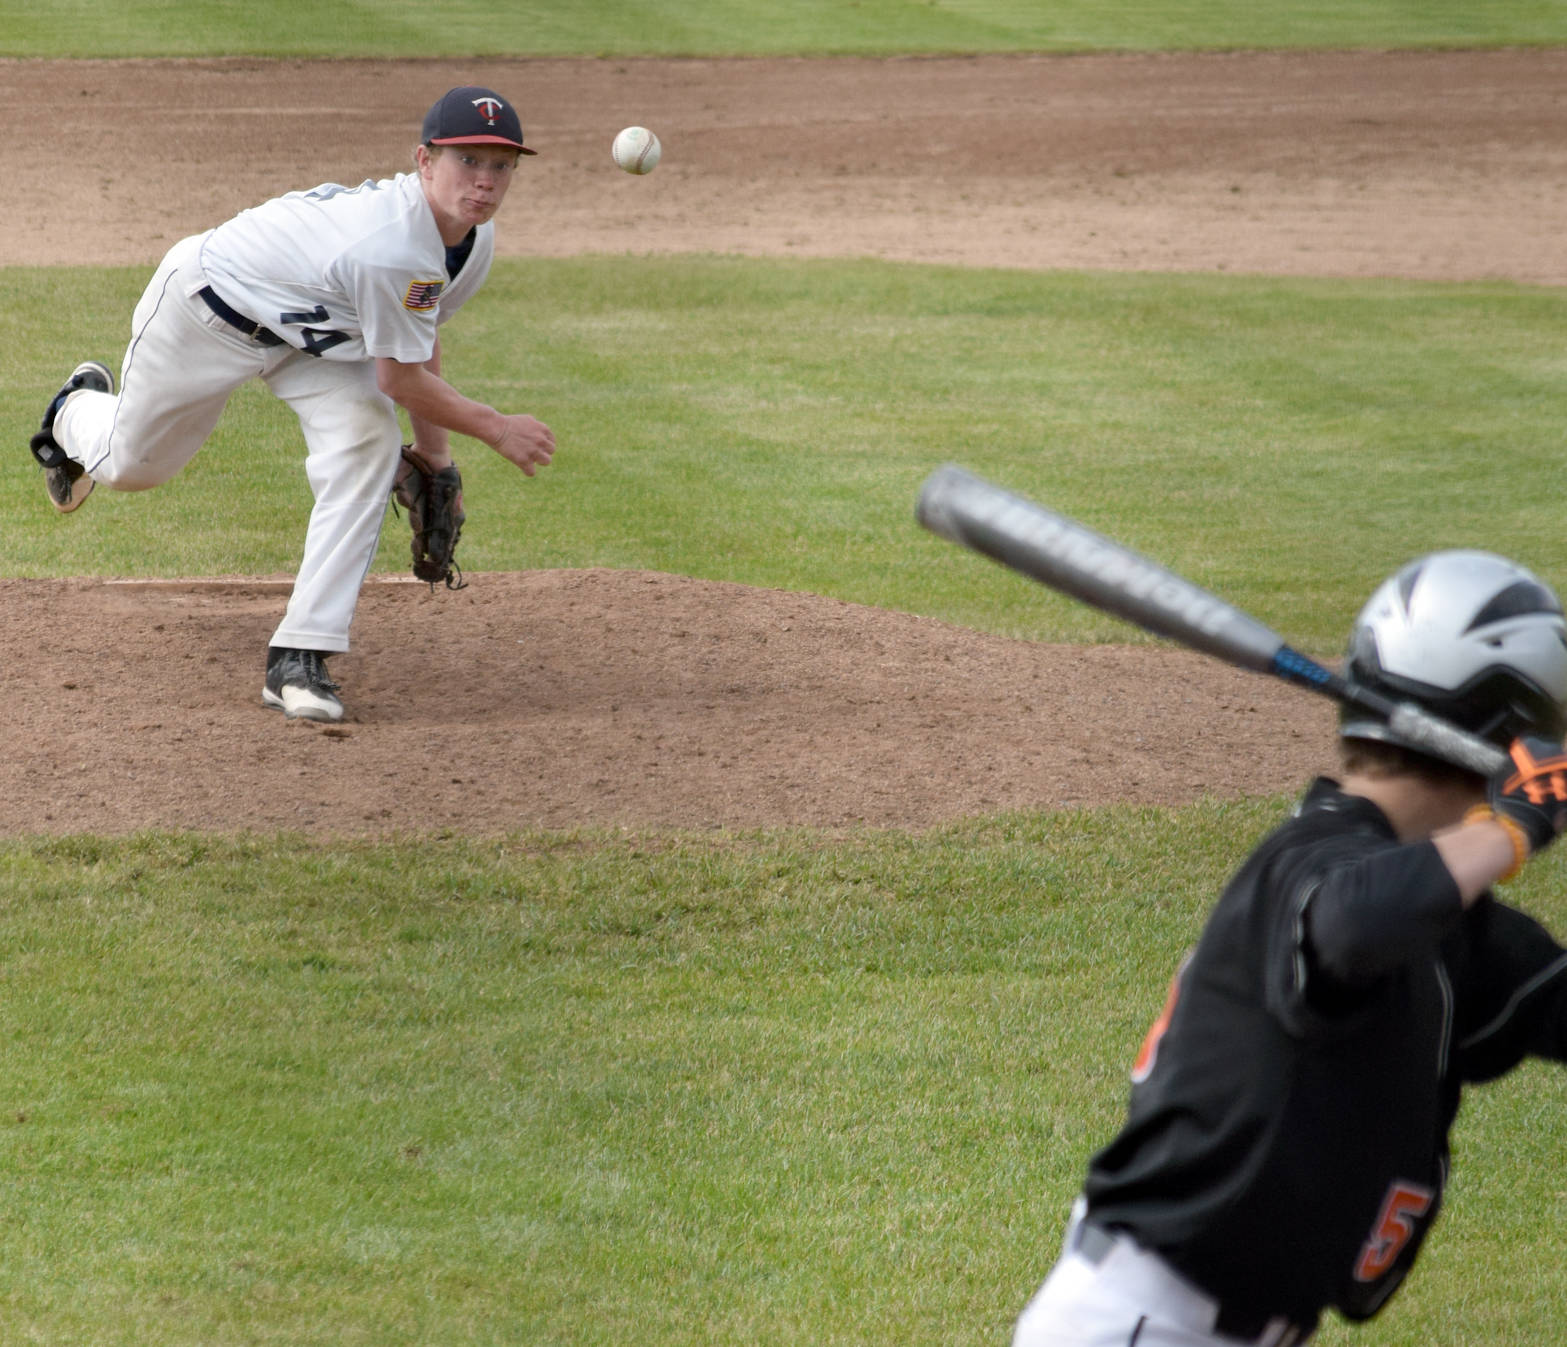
[(1360, 662)]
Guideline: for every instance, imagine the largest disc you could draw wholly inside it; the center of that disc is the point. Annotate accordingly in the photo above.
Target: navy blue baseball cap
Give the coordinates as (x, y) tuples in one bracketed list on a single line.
[(473, 116)]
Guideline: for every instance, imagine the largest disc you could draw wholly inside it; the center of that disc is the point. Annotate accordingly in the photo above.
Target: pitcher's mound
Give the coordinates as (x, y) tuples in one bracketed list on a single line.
[(590, 698)]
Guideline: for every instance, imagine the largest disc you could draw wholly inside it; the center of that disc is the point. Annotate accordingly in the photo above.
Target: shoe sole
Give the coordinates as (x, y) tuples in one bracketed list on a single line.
[(82, 487), (307, 711), (95, 367)]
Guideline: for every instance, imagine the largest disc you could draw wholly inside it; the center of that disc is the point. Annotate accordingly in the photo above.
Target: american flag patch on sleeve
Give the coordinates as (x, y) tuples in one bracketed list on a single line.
[(423, 295)]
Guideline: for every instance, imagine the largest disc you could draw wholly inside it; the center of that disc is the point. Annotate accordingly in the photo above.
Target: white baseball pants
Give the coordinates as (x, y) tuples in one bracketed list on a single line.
[(1129, 1297), (182, 366)]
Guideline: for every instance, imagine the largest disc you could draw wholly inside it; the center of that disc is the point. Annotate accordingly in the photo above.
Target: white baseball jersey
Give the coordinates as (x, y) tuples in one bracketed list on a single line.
[(345, 273)]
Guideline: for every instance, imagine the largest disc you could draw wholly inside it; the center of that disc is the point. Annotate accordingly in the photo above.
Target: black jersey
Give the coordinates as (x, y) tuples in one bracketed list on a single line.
[(1286, 1142)]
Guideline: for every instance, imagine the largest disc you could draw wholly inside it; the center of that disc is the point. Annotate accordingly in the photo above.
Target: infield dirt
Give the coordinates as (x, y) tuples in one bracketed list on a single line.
[(566, 698)]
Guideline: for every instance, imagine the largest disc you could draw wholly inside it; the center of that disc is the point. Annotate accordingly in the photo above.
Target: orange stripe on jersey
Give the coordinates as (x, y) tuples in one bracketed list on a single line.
[(1143, 1066)]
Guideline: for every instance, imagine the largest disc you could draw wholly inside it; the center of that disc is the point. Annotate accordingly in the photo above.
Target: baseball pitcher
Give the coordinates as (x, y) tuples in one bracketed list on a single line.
[(334, 298)]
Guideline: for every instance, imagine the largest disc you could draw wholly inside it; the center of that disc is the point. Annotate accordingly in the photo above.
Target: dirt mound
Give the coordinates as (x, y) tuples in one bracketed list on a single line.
[(568, 698)]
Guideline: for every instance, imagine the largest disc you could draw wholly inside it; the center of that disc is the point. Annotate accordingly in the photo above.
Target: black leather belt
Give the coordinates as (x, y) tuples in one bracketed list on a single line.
[(1094, 1243), (258, 334)]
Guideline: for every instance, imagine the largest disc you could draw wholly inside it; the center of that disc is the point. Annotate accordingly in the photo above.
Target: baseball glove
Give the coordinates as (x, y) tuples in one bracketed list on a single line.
[(433, 500)]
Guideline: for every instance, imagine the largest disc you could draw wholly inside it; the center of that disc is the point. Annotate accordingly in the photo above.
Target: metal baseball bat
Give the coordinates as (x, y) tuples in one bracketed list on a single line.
[(1074, 559)]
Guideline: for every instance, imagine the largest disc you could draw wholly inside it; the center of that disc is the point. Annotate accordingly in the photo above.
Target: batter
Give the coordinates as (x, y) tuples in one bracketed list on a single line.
[(1285, 1148), (334, 298)]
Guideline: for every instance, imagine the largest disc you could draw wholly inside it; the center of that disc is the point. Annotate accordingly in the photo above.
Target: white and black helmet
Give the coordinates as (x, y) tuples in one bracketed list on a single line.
[(1470, 636)]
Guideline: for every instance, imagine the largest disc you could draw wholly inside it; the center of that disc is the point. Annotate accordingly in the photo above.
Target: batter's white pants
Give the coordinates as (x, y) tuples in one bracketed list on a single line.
[(182, 366), (1129, 1298)]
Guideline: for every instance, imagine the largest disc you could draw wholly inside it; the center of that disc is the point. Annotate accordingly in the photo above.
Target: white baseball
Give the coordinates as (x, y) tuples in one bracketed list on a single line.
[(636, 149)]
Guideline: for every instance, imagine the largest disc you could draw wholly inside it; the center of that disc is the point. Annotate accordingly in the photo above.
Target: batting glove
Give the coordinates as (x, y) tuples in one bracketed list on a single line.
[(1532, 791)]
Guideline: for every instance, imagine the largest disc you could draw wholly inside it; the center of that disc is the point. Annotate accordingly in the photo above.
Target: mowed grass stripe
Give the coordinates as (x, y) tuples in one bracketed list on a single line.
[(1283, 442)]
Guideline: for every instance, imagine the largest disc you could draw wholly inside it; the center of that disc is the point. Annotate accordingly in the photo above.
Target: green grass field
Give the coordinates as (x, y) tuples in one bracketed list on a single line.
[(394, 28), (581, 1089), (699, 1088), (562, 1088)]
